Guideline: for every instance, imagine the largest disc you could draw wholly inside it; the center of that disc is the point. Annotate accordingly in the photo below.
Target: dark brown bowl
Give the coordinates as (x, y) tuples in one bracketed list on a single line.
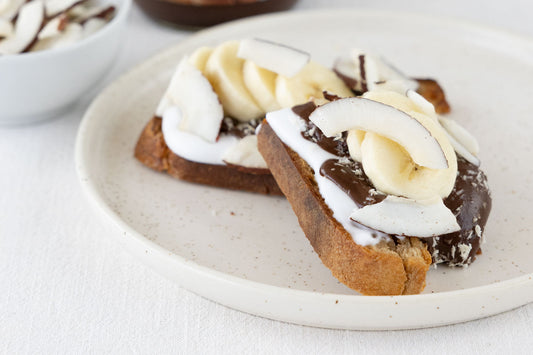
[(182, 13)]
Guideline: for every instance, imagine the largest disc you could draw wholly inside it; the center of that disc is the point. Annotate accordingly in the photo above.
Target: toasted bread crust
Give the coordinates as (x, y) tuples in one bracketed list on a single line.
[(384, 269), (152, 151), (432, 91)]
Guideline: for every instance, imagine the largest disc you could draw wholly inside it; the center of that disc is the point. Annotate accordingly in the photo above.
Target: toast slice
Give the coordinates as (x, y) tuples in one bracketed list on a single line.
[(432, 91), (389, 268), (152, 151)]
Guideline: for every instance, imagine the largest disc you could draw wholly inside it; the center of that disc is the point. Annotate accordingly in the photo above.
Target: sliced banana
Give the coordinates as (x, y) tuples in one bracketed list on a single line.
[(400, 101), (354, 140), (310, 82), (199, 57), (224, 71), (392, 171), (262, 85)]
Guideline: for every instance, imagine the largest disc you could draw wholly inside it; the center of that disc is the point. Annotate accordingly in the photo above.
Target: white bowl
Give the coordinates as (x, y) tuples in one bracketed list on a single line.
[(39, 85)]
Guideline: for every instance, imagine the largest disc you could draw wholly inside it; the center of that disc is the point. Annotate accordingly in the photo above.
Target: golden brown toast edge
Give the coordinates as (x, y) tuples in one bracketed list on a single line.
[(152, 151), (433, 92)]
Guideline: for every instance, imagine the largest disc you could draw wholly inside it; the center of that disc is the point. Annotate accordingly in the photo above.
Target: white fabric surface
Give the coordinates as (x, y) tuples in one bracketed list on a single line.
[(67, 287)]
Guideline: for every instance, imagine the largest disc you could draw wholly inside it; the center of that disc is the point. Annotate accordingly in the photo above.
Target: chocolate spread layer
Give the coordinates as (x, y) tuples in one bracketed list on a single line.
[(469, 201)]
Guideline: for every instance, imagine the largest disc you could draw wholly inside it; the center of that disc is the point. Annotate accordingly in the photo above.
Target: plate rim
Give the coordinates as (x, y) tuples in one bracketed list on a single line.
[(92, 192)]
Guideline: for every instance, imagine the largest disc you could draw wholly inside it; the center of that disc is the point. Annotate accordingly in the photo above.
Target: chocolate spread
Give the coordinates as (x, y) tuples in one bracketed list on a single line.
[(359, 87), (233, 127), (469, 201)]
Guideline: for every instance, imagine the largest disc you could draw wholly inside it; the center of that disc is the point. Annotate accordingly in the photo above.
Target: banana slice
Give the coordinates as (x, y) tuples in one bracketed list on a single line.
[(310, 82), (400, 101), (354, 140), (262, 85), (392, 170), (10, 8), (224, 71), (199, 57)]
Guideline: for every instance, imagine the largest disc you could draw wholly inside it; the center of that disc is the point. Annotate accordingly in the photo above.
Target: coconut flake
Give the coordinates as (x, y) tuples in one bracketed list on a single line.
[(372, 69), (10, 8), (55, 7), (29, 22), (387, 121), (54, 27), (189, 90), (6, 28), (73, 33), (92, 26), (461, 150), (82, 14), (465, 138), (420, 101), (407, 217)]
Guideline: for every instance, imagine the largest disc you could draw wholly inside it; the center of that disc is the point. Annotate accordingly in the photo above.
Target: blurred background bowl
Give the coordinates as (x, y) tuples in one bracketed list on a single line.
[(39, 85), (209, 12)]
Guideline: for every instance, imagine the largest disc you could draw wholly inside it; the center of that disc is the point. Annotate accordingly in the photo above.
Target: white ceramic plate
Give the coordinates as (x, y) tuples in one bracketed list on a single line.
[(246, 251)]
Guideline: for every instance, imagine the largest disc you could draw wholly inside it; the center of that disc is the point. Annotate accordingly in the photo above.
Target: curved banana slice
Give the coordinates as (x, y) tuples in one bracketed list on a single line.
[(310, 82), (392, 170), (400, 101), (199, 57), (224, 71), (276, 57), (354, 140), (261, 83)]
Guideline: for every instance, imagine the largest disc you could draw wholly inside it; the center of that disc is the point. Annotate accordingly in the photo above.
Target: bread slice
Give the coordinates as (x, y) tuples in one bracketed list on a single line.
[(392, 268), (432, 91), (152, 151)]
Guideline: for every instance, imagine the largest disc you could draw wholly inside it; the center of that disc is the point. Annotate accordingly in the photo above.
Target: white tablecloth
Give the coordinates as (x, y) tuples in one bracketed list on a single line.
[(67, 287)]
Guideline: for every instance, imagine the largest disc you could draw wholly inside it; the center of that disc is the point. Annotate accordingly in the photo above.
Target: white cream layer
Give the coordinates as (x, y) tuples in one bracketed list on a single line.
[(194, 148), (288, 127), (190, 146)]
